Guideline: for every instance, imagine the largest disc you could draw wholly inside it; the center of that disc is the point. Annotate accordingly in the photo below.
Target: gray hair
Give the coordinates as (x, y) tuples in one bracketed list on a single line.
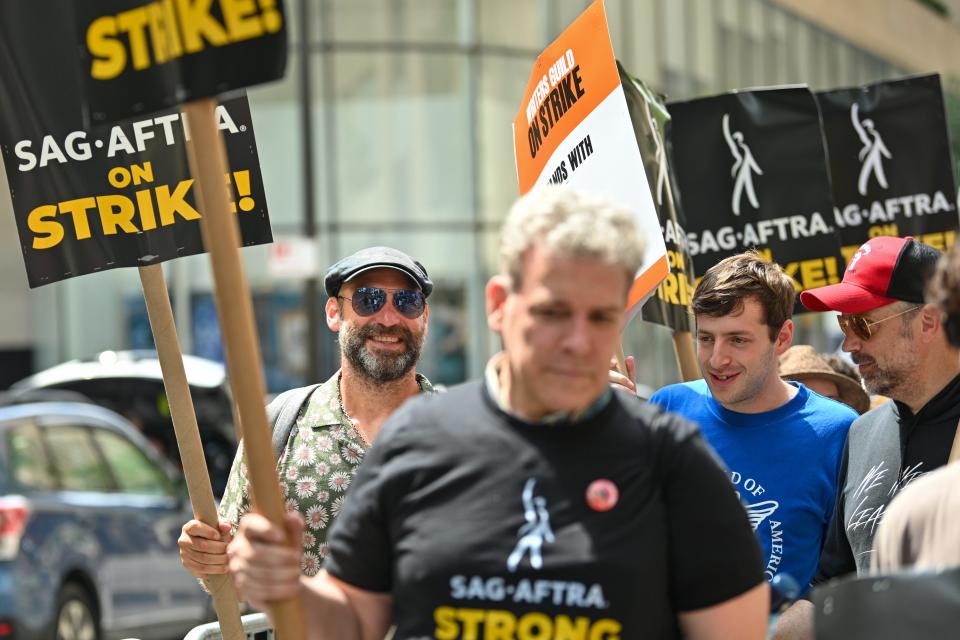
[(570, 223)]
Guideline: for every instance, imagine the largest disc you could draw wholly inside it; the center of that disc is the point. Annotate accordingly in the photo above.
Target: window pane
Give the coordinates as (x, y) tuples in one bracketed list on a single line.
[(513, 23), (134, 471), (276, 124), (566, 11), (397, 20), (703, 45), (502, 81), (80, 466), (29, 466), (634, 32), (402, 138)]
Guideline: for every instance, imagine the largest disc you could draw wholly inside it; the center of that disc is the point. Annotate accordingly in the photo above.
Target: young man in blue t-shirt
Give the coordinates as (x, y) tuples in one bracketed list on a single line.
[(781, 442)]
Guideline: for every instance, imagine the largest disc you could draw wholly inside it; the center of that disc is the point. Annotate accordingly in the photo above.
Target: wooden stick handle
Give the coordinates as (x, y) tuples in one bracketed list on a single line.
[(686, 356), (621, 360), (188, 436), (221, 237)]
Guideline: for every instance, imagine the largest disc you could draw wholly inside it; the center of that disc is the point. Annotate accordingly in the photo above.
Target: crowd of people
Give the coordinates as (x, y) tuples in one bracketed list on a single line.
[(544, 501)]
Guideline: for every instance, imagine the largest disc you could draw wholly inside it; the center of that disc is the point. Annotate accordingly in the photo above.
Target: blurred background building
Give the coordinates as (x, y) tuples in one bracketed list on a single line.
[(392, 126)]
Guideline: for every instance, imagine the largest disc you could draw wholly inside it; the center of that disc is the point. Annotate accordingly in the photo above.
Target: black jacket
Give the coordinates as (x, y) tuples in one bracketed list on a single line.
[(886, 449)]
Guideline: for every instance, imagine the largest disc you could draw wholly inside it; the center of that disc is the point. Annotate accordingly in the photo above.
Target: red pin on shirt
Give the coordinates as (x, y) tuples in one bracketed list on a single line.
[(602, 495)]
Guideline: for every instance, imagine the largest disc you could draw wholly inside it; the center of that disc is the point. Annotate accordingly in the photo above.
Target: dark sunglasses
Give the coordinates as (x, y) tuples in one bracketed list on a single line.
[(860, 326), (366, 301)]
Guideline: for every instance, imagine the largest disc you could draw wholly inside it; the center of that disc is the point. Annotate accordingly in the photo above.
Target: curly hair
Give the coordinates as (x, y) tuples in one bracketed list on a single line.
[(943, 290), (569, 223)]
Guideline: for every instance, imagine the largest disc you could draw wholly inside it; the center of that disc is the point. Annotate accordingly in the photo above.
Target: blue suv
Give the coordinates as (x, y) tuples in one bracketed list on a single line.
[(89, 520)]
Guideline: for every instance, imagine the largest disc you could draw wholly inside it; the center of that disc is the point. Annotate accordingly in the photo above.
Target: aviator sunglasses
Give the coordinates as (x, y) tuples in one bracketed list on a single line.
[(860, 326), (366, 301)]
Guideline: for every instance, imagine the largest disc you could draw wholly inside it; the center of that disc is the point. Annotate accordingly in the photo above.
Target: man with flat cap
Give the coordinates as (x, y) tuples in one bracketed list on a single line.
[(378, 307), (900, 346)]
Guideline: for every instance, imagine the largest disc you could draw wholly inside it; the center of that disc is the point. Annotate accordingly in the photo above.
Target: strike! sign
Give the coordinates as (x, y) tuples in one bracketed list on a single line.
[(88, 199), (890, 162), (752, 171), (145, 55), (574, 128), (122, 196)]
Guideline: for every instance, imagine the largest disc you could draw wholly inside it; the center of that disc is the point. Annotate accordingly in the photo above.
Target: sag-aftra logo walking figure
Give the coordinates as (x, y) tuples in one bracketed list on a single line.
[(744, 166), (872, 153)]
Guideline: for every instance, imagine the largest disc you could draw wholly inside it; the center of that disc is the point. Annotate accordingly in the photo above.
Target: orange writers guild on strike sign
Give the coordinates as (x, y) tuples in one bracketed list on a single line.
[(574, 128)]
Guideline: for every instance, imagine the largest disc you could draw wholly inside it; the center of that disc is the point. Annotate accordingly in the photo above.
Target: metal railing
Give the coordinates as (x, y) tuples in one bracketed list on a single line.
[(256, 626)]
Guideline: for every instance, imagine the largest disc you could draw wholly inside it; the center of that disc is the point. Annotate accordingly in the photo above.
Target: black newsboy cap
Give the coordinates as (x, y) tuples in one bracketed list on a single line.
[(375, 258)]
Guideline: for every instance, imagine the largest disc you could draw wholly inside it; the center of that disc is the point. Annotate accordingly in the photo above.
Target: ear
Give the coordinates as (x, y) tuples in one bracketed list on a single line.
[(333, 314), (784, 337), (497, 292), (931, 322)]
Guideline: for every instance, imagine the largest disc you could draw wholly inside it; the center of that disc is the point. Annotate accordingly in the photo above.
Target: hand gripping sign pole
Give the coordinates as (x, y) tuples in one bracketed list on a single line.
[(118, 87), (188, 436), (221, 238)]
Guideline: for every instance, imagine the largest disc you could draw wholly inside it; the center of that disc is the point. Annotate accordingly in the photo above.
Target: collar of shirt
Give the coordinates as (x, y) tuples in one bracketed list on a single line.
[(492, 380), (323, 409)]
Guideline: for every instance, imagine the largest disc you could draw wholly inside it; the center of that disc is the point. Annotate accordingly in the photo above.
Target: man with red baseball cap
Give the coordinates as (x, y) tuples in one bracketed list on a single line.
[(900, 346)]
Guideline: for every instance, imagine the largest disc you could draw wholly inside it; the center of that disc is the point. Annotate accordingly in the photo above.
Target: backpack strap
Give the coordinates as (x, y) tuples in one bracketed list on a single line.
[(282, 414)]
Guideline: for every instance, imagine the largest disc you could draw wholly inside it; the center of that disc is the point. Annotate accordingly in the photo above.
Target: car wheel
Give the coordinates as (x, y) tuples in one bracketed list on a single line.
[(76, 615)]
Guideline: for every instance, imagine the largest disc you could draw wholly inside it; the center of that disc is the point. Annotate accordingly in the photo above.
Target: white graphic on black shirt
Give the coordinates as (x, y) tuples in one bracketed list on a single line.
[(534, 532), (867, 514), (761, 511)]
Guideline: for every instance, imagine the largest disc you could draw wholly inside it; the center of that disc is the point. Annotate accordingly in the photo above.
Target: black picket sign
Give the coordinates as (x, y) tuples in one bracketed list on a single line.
[(890, 161), (752, 171), (108, 196), (670, 306), (140, 56)]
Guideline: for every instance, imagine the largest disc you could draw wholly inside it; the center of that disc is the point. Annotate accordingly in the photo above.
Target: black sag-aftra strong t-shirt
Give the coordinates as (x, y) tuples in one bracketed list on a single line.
[(483, 526)]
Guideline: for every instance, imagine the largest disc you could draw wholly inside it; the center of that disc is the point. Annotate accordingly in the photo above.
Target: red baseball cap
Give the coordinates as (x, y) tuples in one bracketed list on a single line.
[(882, 271)]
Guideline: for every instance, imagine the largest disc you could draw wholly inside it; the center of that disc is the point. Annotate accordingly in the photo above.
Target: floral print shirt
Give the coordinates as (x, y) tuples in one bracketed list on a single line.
[(321, 456)]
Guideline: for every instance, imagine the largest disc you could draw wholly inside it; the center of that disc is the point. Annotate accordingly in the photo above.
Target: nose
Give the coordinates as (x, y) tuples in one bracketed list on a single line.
[(576, 341), (851, 343), (719, 357), (388, 314)]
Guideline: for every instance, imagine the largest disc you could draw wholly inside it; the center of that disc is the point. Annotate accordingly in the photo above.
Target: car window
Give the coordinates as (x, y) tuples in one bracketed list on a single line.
[(133, 470), (80, 466), (29, 465)]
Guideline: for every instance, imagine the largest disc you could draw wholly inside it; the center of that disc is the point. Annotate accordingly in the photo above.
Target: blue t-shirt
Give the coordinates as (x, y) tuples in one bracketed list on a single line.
[(784, 463)]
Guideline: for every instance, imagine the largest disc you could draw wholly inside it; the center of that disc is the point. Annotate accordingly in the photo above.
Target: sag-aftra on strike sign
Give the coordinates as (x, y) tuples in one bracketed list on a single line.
[(142, 56), (89, 198)]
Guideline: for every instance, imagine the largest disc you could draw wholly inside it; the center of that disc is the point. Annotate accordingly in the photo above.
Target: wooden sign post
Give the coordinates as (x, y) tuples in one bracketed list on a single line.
[(221, 237), (686, 352), (132, 94), (188, 436)]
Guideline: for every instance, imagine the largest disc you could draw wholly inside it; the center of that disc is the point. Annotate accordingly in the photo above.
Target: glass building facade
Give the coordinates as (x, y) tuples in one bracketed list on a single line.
[(393, 126)]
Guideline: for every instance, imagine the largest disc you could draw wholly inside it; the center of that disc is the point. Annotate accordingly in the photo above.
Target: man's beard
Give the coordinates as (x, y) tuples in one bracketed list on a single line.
[(901, 362), (377, 365), (880, 380)]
